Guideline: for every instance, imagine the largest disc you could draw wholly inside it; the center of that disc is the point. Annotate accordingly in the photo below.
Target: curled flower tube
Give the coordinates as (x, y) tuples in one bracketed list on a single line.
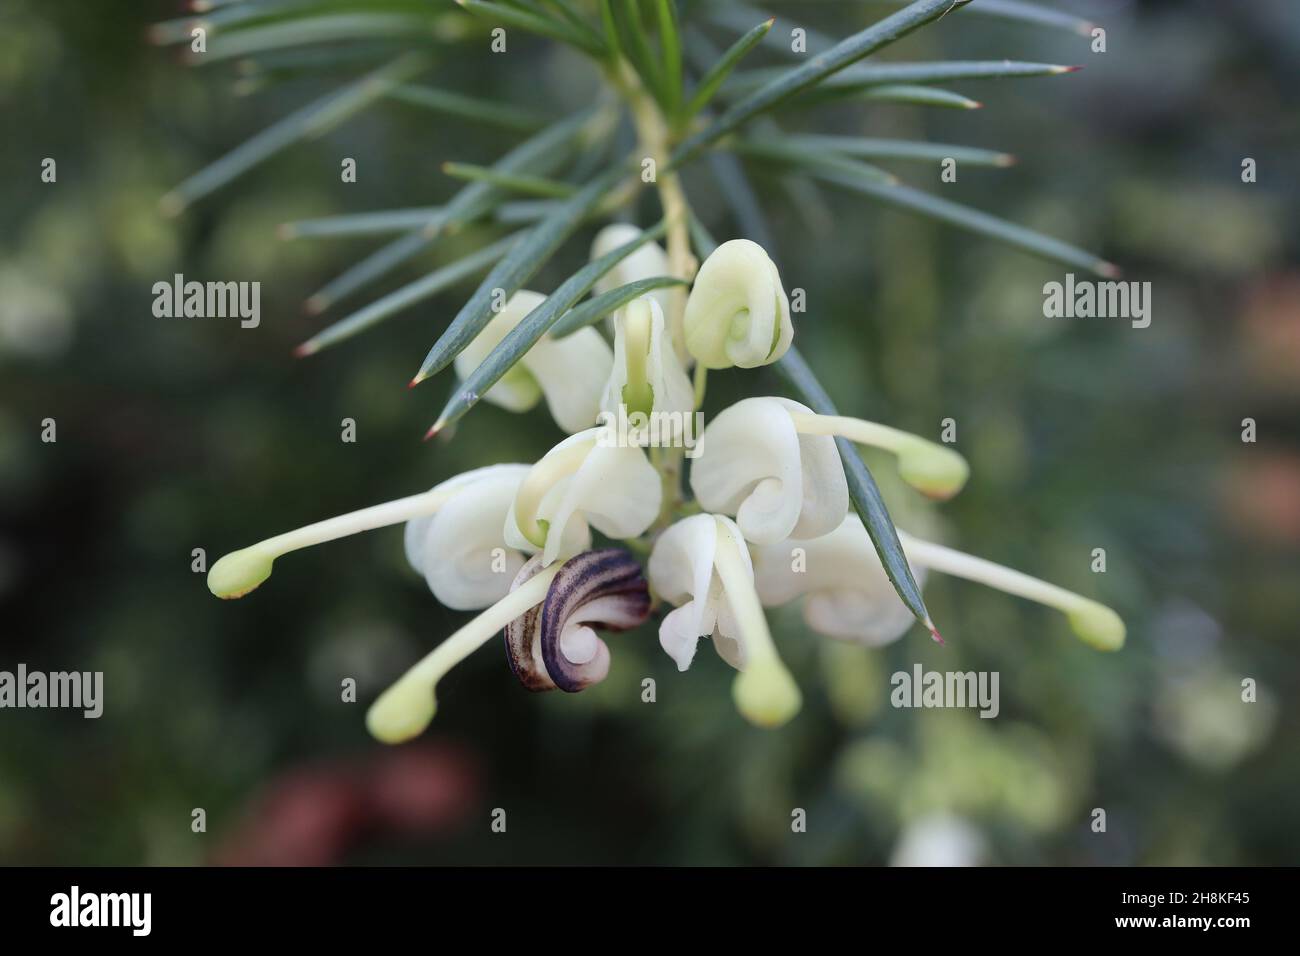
[(646, 262), (701, 565), (554, 644), (737, 313), (754, 464), (647, 379), (570, 372), (453, 522), (548, 617), (589, 478), (847, 595)]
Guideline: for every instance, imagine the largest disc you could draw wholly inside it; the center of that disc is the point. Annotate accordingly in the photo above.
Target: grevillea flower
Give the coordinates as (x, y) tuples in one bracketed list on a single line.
[(454, 538), (846, 594), (737, 313), (570, 372), (551, 645), (702, 566), (588, 478), (647, 378)]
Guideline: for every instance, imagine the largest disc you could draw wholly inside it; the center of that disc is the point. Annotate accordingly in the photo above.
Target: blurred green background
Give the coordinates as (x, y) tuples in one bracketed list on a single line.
[(178, 434)]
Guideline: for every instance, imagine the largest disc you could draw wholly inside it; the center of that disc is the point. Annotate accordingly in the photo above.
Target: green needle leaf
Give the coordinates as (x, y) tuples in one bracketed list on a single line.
[(513, 182), (406, 296), (816, 69), (862, 491), (918, 96), (519, 265), (532, 327), (540, 154), (813, 160), (593, 310), (861, 76), (713, 78), (311, 120), (360, 223), (863, 147), (1027, 13), (670, 43), (963, 217), (467, 107), (537, 23)]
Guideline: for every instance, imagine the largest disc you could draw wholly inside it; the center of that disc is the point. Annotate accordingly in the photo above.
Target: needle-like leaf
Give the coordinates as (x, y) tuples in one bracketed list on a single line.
[(863, 147), (540, 154), (861, 76), (471, 108), (510, 182), (670, 46), (595, 309), (862, 491), (311, 120), (532, 327), (866, 181), (535, 22), (816, 69), (1026, 13), (406, 296), (713, 79), (518, 266), (360, 223)]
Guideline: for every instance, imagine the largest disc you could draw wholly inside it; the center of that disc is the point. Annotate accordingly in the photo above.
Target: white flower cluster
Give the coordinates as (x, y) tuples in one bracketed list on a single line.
[(775, 522)]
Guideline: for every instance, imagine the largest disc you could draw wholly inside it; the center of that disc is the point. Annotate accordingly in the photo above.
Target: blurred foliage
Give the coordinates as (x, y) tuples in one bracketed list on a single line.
[(177, 434)]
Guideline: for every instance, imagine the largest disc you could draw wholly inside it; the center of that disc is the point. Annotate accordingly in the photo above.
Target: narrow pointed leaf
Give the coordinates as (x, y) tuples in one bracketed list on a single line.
[(636, 44), (533, 326), (538, 23), (541, 154), (518, 266), (862, 490), (816, 69), (863, 147), (510, 182), (578, 21), (361, 223), (407, 295), (314, 119), (861, 76), (471, 108), (1026, 13), (670, 45), (713, 79), (813, 160), (918, 96), (964, 217), (302, 31), (595, 309)]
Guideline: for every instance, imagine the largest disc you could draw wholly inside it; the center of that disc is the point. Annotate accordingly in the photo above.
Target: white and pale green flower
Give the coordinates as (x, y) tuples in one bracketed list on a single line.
[(702, 566), (570, 373), (587, 479), (847, 596), (737, 313)]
